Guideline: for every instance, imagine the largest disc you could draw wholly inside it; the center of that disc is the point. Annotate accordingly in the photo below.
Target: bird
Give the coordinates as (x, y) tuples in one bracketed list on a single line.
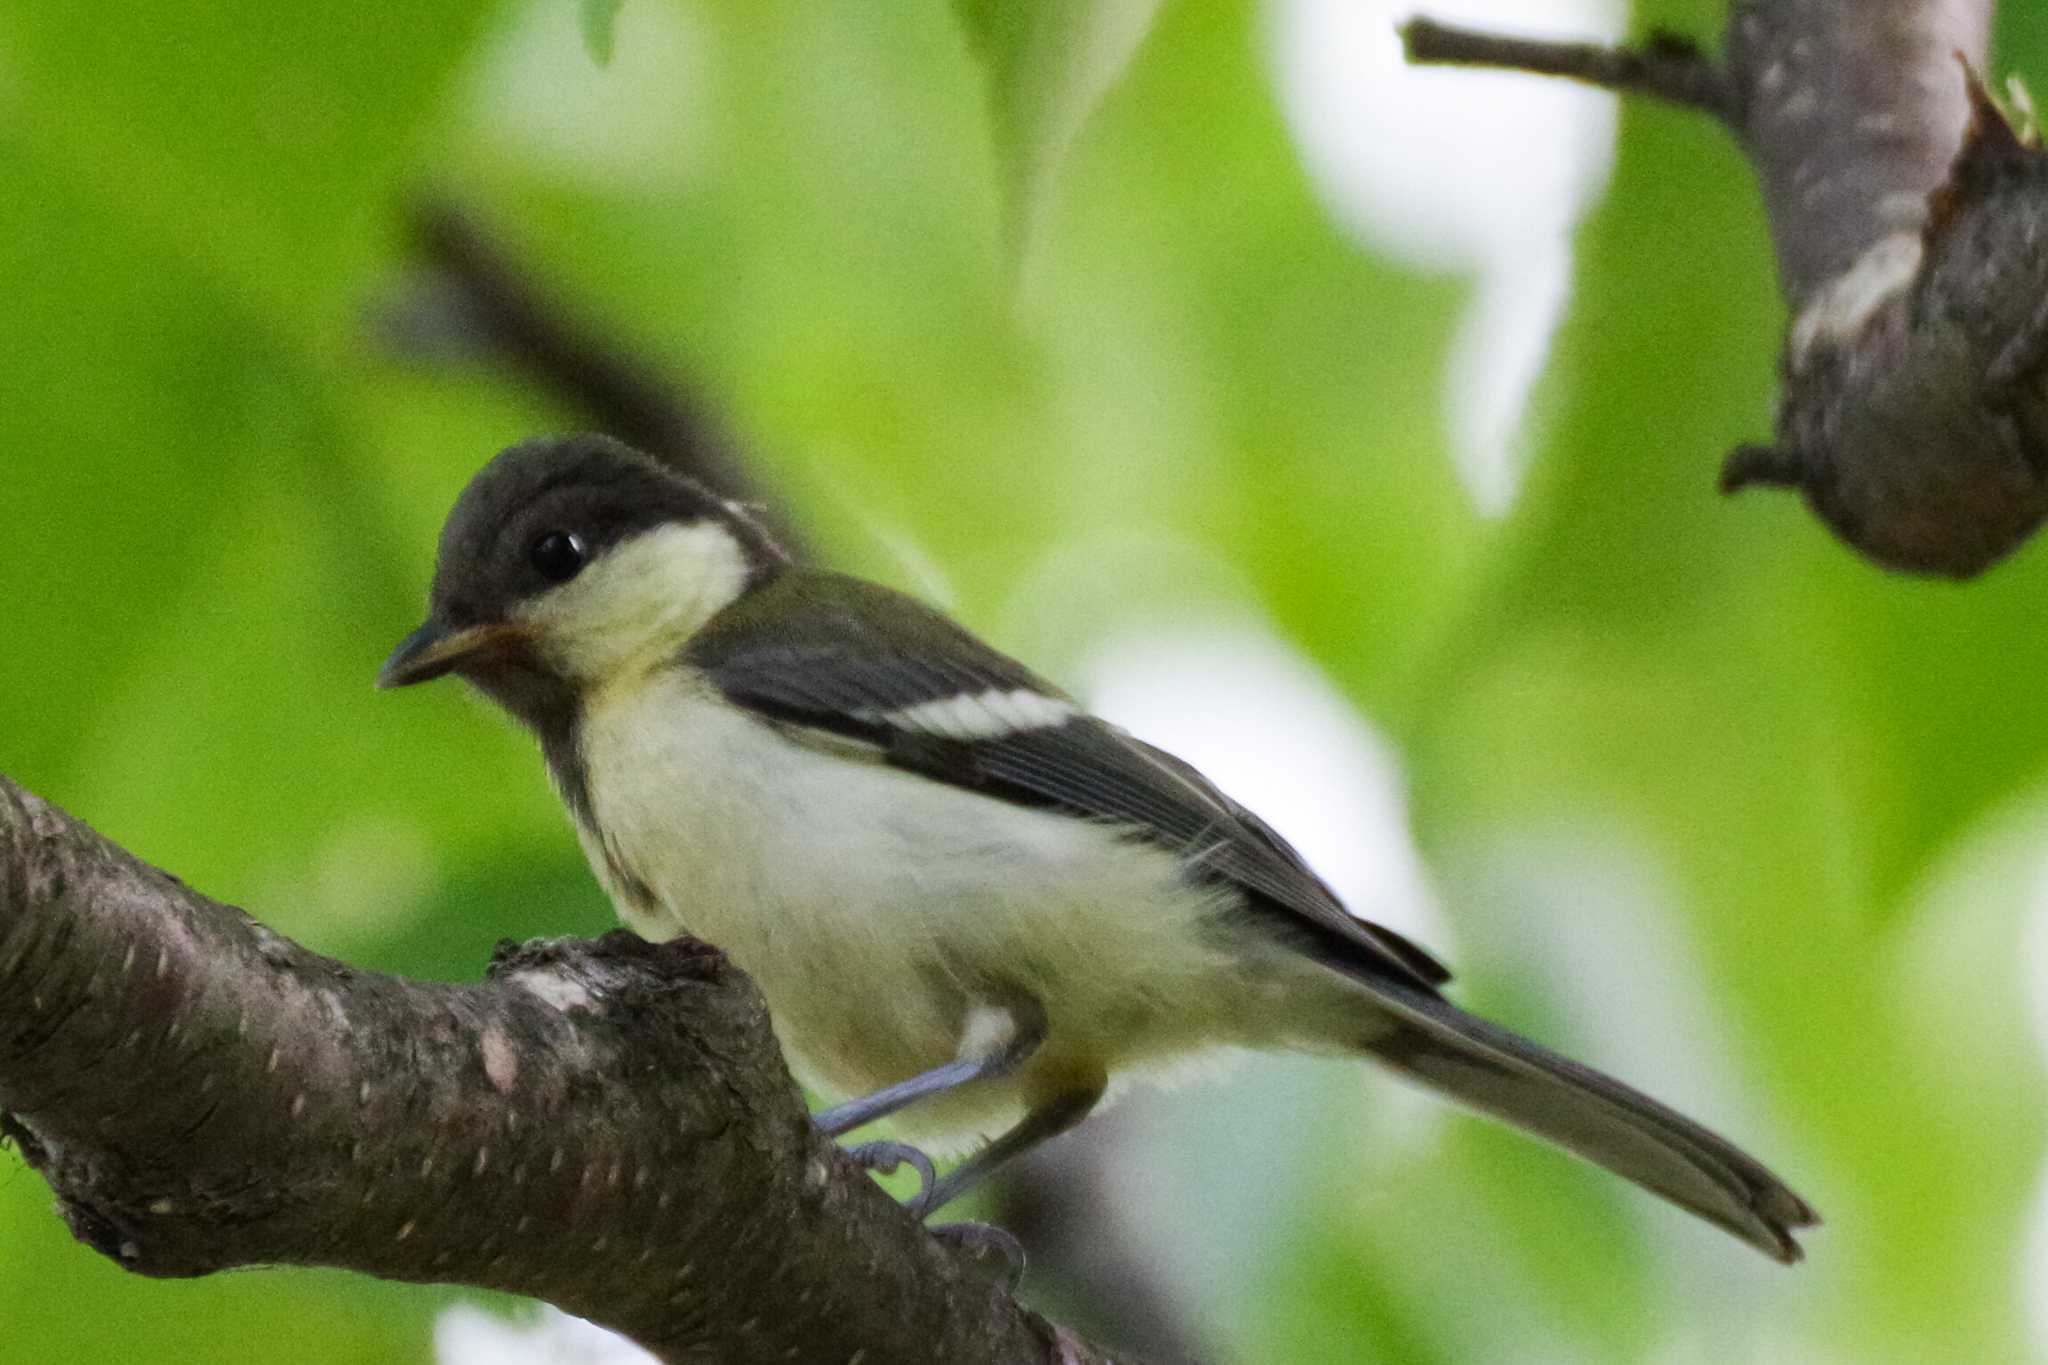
[(971, 905)]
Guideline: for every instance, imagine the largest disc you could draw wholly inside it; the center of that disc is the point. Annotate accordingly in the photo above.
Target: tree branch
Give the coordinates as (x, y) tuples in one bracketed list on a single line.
[(605, 1125), (1904, 209)]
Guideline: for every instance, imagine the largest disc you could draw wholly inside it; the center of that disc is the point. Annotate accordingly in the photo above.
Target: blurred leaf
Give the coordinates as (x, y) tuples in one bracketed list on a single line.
[(254, 141), (501, 891), (1049, 64), (600, 28), (62, 1301)]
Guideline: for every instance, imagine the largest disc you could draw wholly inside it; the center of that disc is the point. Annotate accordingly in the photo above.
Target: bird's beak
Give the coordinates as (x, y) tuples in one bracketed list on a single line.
[(435, 649)]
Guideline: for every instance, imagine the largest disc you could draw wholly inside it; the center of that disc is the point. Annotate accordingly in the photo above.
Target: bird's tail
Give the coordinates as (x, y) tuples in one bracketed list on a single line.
[(1487, 1068)]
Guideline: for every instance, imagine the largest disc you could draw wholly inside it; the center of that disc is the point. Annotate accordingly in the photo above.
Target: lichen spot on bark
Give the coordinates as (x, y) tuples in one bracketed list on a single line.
[(563, 993), (501, 1063)]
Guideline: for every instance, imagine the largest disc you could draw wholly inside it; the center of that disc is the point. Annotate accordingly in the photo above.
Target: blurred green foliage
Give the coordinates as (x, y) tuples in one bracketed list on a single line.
[(600, 24), (223, 497)]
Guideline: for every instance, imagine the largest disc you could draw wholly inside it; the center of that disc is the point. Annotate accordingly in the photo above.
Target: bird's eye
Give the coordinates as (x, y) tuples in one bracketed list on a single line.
[(557, 555)]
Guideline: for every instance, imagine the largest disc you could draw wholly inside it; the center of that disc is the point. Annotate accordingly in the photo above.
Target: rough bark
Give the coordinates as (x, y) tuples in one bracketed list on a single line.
[(605, 1125), (1908, 217)]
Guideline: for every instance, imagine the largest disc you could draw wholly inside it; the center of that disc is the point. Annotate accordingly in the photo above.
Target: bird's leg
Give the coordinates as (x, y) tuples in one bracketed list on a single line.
[(998, 1040), (981, 1239), (1046, 1121)]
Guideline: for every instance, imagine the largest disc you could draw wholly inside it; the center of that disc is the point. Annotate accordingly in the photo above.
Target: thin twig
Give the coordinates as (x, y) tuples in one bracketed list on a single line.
[(1670, 68)]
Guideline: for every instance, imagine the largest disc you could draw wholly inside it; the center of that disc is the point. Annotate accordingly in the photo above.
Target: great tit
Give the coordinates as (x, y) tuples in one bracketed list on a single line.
[(968, 902)]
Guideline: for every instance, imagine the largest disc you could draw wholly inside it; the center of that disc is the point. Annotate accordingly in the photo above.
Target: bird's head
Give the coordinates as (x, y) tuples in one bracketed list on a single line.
[(568, 560)]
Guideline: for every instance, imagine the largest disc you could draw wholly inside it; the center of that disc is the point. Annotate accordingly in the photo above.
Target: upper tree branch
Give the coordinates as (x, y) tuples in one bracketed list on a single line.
[(1905, 214), (1853, 111), (606, 1125)]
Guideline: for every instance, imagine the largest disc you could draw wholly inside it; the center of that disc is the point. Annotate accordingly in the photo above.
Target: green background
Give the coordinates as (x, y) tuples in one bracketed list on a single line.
[(220, 499)]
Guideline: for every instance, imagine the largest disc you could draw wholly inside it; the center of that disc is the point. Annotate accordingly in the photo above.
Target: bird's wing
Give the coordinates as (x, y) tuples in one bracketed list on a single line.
[(822, 652)]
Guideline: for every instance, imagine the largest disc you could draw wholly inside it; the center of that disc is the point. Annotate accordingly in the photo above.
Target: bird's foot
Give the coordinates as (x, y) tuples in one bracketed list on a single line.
[(984, 1242), (885, 1157)]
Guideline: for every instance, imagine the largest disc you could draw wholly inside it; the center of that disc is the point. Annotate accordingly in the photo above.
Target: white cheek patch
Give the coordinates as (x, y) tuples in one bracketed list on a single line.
[(979, 715), (640, 601)]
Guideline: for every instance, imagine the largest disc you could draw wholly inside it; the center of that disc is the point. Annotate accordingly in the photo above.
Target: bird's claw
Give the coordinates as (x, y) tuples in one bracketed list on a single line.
[(883, 1157), (973, 1239), (980, 1239)]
